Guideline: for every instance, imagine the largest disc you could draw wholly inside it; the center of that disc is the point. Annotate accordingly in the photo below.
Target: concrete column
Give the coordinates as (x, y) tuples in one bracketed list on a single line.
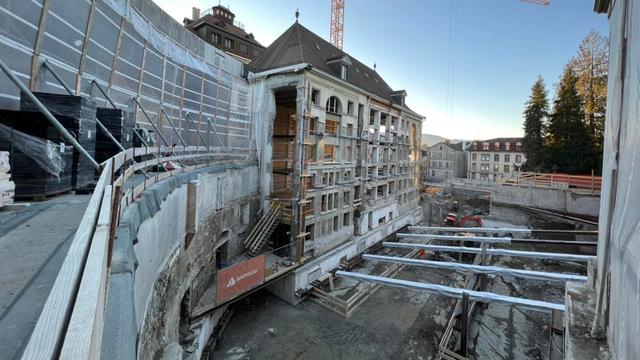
[(192, 212)]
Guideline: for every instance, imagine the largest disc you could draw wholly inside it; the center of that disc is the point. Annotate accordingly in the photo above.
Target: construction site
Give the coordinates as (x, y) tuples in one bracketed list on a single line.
[(166, 194)]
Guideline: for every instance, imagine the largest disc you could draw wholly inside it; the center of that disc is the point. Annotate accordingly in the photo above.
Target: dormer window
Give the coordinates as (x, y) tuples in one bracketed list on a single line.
[(485, 146), (507, 146), (343, 72)]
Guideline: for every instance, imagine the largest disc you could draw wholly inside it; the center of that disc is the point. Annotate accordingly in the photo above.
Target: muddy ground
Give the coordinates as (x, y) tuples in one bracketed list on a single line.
[(402, 324)]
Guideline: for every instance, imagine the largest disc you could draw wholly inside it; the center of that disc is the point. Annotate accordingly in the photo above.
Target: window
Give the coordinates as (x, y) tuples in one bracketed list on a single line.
[(474, 156), (343, 72), (244, 48), (433, 173), (473, 166), (345, 219), (323, 206), (518, 159), (507, 158), (497, 146), (346, 198), (329, 153), (507, 146), (518, 147), (350, 107), (315, 96), (228, 43), (485, 146), (484, 167), (216, 38), (496, 167), (506, 168), (496, 157), (484, 157), (347, 156), (331, 128), (349, 129), (333, 105)]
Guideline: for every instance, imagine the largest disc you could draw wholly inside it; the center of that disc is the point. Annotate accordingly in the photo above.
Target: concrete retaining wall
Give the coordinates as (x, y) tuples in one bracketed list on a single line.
[(152, 271), (569, 201)]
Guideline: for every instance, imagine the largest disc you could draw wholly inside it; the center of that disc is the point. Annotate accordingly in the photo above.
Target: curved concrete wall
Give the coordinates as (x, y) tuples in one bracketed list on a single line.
[(153, 269)]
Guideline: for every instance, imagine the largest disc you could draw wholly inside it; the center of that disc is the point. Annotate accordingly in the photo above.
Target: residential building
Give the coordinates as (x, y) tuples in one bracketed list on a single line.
[(446, 160), (343, 142), (424, 163), (495, 159), (218, 27)]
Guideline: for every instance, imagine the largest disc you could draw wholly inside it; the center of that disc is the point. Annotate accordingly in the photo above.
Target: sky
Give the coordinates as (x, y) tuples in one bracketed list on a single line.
[(467, 65)]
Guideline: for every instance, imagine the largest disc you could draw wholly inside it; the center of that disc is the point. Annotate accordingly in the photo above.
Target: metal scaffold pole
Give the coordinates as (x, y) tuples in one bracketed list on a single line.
[(43, 109)]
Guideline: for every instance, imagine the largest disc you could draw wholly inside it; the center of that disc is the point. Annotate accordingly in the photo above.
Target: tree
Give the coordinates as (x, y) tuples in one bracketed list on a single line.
[(535, 124), (569, 144), (591, 66)]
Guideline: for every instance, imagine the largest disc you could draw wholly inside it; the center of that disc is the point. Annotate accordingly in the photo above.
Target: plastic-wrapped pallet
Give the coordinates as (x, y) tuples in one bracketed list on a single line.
[(120, 125), (41, 163), (7, 188), (78, 115)]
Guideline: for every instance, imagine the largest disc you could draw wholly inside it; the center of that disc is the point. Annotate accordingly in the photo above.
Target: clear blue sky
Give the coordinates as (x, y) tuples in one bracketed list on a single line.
[(470, 85)]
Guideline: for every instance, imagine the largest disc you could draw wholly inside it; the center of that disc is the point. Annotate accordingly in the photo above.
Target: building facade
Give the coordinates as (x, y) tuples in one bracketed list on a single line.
[(424, 163), (345, 159), (446, 161), (495, 159), (218, 27)]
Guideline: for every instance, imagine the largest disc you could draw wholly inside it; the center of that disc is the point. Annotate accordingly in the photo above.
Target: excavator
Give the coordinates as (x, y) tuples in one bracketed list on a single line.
[(453, 220)]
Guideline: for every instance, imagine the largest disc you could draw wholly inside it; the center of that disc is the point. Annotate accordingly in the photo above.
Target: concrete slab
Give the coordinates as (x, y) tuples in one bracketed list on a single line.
[(33, 244)]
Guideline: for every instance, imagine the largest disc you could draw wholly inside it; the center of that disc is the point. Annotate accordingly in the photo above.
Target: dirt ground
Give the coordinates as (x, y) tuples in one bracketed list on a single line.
[(403, 324), (391, 324)]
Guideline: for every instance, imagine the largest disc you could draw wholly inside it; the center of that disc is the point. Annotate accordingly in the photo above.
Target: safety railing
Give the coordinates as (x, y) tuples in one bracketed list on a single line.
[(550, 180), (70, 324)]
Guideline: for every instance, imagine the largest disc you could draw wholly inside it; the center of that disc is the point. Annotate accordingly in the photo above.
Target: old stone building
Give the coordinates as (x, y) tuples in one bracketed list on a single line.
[(447, 160), (345, 148), (217, 26), (495, 159)]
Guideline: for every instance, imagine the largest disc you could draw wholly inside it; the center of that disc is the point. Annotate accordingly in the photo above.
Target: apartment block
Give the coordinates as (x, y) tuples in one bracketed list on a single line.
[(495, 159), (345, 159), (447, 161)]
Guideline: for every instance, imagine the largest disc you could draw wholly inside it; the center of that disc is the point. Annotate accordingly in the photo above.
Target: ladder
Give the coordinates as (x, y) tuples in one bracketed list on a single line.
[(263, 229)]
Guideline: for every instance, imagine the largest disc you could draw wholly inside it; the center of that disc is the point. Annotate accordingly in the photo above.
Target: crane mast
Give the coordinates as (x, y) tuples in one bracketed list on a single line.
[(337, 22)]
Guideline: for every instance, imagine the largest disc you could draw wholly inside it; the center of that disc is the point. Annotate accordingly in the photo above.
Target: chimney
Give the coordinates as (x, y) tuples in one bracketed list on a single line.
[(195, 13), (446, 141)]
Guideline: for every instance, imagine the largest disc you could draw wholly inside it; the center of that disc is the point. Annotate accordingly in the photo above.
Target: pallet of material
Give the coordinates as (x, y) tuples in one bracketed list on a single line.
[(7, 187), (31, 180), (120, 125), (78, 115)]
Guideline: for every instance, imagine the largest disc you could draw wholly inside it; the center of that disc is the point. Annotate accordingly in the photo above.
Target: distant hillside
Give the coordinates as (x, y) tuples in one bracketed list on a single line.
[(428, 139)]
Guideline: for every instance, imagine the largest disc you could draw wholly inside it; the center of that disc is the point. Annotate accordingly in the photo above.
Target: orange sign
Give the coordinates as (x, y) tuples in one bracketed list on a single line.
[(239, 278)]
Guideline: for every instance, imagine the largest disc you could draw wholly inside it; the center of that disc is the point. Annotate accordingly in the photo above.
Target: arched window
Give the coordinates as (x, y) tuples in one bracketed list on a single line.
[(333, 106)]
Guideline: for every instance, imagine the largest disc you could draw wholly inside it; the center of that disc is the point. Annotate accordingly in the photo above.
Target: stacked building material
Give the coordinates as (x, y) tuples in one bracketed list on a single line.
[(41, 162), (120, 125), (78, 115), (7, 188)]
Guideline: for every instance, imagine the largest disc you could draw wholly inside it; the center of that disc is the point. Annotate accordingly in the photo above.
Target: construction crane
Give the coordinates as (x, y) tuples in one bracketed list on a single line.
[(537, 2), (337, 22)]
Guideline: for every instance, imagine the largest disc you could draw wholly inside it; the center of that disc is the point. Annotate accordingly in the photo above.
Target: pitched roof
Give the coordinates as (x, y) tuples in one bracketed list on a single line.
[(224, 26), (456, 146), (300, 45)]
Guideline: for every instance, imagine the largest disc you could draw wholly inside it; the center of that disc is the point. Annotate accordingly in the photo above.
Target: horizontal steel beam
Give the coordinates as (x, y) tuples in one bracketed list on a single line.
[(479, 269), (483, 239), (555, 242), (470, 229), (481, 296), (501, 252)]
